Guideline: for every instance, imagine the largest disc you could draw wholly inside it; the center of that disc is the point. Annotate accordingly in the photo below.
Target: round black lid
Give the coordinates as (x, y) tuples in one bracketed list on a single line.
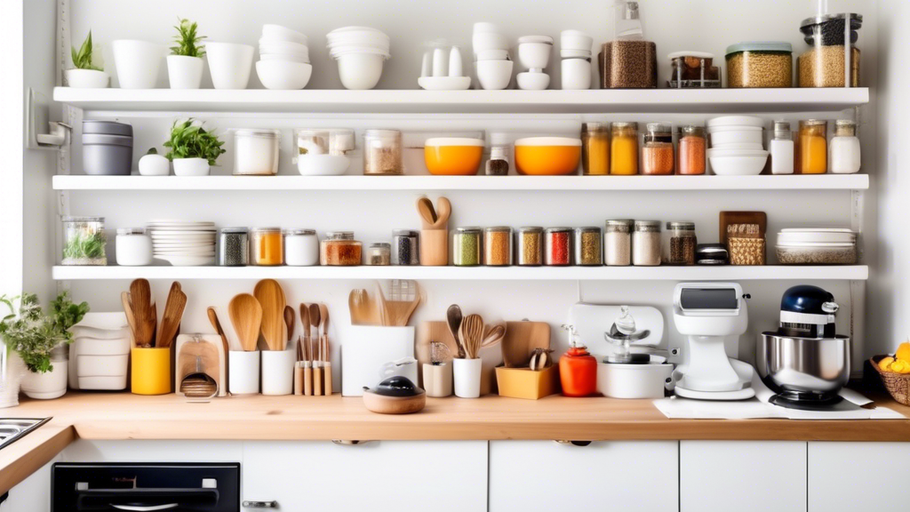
[(807, 299), (397, 386)]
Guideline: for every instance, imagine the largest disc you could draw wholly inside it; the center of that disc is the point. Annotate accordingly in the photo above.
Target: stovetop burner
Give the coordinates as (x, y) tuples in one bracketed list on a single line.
[(806, 401)]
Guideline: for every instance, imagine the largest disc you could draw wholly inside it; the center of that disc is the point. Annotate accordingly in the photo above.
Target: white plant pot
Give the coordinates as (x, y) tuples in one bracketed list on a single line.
[(466, 373), (87, 79), (243, 372), (137, 63), (45, 386), (229, 64), (184, 72), (191, 167), (154, 165), (278, 372)]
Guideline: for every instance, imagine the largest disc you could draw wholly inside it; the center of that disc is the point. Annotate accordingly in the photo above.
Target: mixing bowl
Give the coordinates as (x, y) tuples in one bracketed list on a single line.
[(547, 156), (810, 365)]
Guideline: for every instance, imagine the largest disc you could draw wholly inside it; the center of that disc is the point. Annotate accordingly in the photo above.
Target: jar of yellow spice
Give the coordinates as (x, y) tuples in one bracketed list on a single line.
[(595, 149), (812, 147), (267, 247), (624, 148)]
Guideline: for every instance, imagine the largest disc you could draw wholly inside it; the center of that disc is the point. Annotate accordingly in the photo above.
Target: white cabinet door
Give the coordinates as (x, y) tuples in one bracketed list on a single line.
[(393, 476), (745, 476), (857, 476), (621, 476)]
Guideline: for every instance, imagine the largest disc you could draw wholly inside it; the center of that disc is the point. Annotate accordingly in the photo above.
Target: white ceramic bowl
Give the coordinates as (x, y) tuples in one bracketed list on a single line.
[(346, 50), (87, 78), (489, 41), (230, 64), (734, 128), (745, 146), (137, 63), (494, 75), (736, 137), (282, 47), (191, 167), (353, 28), (738, 165), (575, 40), (735, 152), (534, 55), (276, 74), (533, 81), (323, 165), (736, 121), (272, 57), (357, 38), (282, 33), (360, 71)]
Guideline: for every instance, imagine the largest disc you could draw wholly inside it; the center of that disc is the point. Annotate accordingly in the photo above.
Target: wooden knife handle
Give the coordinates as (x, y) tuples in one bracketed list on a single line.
[(327, 373), (317, 381), (308, 381), (298, 380)]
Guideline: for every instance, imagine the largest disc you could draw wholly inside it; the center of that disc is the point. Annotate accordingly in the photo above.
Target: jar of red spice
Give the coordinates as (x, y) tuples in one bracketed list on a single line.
[(339, 248), (558, 246), (657, 151), (691, 151)]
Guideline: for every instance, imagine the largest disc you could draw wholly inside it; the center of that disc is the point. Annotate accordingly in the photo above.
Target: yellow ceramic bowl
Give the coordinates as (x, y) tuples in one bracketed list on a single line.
[(453, 156), (547, 156)]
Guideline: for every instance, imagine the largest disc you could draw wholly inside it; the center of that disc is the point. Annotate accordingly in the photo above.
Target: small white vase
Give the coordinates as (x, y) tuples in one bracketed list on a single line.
[(229, 64), (191, 167), (278, 372), (154, 165), (48, 385), (467, 377), (137, 63), (87, 79), (184, 72), (243, 372)]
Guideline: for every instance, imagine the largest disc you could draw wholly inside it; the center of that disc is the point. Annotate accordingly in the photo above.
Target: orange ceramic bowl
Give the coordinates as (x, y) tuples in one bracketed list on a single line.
[(547, 156), (453, 156)]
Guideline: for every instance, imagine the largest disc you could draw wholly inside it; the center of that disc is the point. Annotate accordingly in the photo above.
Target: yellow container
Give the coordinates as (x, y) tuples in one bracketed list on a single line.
[(624, 149), (453, 156), (812, 147), (151, 371), (547, 156), (525, 383)]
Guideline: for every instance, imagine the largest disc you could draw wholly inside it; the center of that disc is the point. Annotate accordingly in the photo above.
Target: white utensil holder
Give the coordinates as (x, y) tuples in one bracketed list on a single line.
[(278, 372), (466, 373), (244, 372), (366, 350), (437, 379)]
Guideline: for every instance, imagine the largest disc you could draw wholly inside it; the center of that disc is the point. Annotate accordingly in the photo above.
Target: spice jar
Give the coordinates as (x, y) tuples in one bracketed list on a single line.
[(812, 147), (692, 144), (577, 369), (760, 64), (267, 247), (825, 63), (624, 148), (134, 247), (558, 246), (498, 164), (234, 247), (301, 248), (657, 152), (781, 148), (84, 241), (681, 245), (595, 149), (588, 246), (618, 242), (844, 151), (379, 254), (646, 243), (497, 246), (406, 248), (382, 152), (530, 246), (256, 152), (467, 245), (339, 249)]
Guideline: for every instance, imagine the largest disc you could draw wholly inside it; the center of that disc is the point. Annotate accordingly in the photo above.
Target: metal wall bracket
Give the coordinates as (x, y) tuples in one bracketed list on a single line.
[(41, 131)]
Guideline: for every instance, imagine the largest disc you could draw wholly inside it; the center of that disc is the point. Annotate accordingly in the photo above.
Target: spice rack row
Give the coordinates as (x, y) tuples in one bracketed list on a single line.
[(661, 273)]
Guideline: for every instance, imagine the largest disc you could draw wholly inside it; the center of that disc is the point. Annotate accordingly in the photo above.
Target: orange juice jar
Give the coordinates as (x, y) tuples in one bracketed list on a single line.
[(624, 148), (267, 247), (812, 147)]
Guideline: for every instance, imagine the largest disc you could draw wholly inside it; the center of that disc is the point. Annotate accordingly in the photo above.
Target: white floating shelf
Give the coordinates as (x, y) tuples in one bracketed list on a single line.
[(506, 183), (666, 273), (471, 101)]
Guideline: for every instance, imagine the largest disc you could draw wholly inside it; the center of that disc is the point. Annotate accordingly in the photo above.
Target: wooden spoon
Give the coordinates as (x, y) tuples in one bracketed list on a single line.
[(216, 324), (453, 320), (494, 336), (246, 317), (289, 320), (128, 310), (271, 297), (173, 314), (302, 349), (472, 335), (427, 212), (141, 301), (315, 318), (443, 212)]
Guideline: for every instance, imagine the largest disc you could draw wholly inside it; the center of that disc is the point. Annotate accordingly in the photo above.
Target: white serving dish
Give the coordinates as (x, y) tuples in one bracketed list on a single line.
[(738, 165), (191, 167), (633, 381), (92, 359), (230, 64), (736, 121), (494, 75), (282, 33), (272, 57), (736, 137), (323, 165), (267, 45), (533, 81), (360, 71), (87, 78), (444, 83), (739, 146), (283, 75), (137, 63), (366, 349)]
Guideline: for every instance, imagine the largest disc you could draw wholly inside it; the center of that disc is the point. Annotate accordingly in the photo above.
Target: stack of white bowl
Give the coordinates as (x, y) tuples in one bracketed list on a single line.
[(736, 145), (100, 352), (360, 52), (183, 244), (491, 57), (816, 246), (284, 58), (575, 50)]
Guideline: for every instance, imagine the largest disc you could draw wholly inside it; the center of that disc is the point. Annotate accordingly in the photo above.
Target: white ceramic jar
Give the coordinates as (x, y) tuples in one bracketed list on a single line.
[(301, 248), (256, 152), (844, 150), (134, 247), (576, 74)]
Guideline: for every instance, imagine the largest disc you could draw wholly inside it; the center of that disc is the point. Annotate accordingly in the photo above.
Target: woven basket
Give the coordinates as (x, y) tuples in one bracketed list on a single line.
[(746, 251), (897, 384)]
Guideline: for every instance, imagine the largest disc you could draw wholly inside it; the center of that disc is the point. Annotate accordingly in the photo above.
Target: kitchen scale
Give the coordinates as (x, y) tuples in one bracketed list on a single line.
[(708, 314)]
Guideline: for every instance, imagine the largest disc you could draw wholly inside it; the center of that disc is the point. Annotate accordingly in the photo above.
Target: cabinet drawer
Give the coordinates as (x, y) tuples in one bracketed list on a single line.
[(857, 476)]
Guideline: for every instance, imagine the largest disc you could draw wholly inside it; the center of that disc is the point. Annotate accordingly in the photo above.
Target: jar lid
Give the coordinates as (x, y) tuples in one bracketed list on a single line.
[(498, 229), (234, 231), (813, 122), (382, 133), (559, 230), (530, 229), (659, 127), (267, 230), (404, 232), (856, 20), (711, 251), (300, 232), (649, 225), (684, 54), (258, 133), (339, 235), (845, 122), (760, 46), (781, 125), (130, 231), (595, 127), (692, 129), (69, 218), (620, 222), (623, 124), (106, 128), (380, 245), (683, 225), (469, 229), (588, 229)]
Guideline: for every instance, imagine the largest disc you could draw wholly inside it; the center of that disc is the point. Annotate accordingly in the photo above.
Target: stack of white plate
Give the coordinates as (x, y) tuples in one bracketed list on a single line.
[(360, 52), (284, 58), (817, 246), (183, 244), (736, 145)]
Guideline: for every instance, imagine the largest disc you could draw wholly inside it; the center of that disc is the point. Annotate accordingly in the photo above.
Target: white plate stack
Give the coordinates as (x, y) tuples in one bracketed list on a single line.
[(817, 246), (183, 244), (284, 58), (360, 52), (736, 145)]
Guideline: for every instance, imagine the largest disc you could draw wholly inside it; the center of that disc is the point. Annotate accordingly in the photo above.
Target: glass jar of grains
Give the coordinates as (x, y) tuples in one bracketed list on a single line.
[(234, 247), (301, 248), (624, 148), (680, 249), (406, 247), (379, 254), (646, 243), (812, 147), (657, 151), (267, 247), (467, 245), (339, 249), (618, 242), (530, 246), (826, 62), (588, 246), (760, 64), (382, 152), (558, 246), (691, 150), (595, 149), (497, 246)]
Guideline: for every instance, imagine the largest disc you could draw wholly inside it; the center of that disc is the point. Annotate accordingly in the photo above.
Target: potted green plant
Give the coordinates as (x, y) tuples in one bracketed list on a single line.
[(184, 64), (39, 341), (192, 148), (88, 68)]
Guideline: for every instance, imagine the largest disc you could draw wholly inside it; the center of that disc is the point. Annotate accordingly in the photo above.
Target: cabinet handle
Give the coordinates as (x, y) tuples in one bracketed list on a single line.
[(260, 504), (348, 442), (573, 443)]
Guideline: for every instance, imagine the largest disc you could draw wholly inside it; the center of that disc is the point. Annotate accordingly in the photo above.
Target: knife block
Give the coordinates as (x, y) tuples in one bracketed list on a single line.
[(434, 247), (208, 350)]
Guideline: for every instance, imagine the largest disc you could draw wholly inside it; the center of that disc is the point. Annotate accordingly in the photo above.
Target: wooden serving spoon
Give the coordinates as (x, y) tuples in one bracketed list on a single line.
[(146, 321), (427, 212), (173, 315), (443, 212), (271, 298), (453, 320), (246, 317)]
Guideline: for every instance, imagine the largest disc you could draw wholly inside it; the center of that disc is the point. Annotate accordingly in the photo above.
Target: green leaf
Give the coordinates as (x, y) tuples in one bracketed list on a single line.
[(190, 140), (82, 59), (187, 39)]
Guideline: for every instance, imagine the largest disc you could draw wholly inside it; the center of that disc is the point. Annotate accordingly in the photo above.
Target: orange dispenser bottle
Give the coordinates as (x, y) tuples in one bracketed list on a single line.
[(577, 369)]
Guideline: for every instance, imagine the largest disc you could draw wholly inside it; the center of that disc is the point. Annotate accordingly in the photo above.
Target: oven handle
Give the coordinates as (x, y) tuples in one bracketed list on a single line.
[(150, 508)]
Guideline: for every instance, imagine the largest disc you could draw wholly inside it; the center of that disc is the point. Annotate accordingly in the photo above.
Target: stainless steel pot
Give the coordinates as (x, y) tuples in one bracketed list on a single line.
[(804, 364)]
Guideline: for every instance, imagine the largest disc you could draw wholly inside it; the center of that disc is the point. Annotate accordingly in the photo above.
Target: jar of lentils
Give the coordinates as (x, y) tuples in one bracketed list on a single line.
[(339, 248), (497, 246), (234, 247), (646, 243), (618, 242), (588, 246), (467, 245), (558, 246), (680, 249), (406, 248), (530, 246), (657, 151)]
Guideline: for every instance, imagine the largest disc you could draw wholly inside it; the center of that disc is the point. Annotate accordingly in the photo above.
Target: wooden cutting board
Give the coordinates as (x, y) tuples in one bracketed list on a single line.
[(727, 218), (520, 341)]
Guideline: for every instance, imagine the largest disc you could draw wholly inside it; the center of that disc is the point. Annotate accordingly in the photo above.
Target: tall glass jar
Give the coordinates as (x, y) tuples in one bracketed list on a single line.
[(680, 247), (657, 152), (618, 242), (595, 149), (234, 247), (467, 247), (691, 151), (588, 246), (267, 247), (624, 148), (382, 152), (84, 241), (844, 152), (558, 247), (339, 249), (825, 63), (497, 246), (379, 254), (646, 243), (406, 247), (812, 147), (530, 246)]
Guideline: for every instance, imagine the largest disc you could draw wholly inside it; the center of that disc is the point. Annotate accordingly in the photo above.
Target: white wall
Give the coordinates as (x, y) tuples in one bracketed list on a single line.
[(11, 143)]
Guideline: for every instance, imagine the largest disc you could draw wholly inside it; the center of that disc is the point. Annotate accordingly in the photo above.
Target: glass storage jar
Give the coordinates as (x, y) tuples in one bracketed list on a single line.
[(497, 246), (691, 150), (844, 151), (267, 247), (825, 63), (624, 148), (618, 242), (812, 147), (406, 246), (681, 243), (558, 246), (339, 249), (134, 247), (657, 151), (301, 248), (693, 70), (588, 246), (646, 243), (324, 151), (498, 164), (530, 246), (782, 148), (234, 247), (382, 152), (595, 149), (379, 254), (760, 64), (84, 241), (467, 247), (256, 152)]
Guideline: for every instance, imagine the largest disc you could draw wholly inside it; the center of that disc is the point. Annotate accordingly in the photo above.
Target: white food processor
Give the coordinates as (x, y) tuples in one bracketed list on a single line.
[(708, 314)]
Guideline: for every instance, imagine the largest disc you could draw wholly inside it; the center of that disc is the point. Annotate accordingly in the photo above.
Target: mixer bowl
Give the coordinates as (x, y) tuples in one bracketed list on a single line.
[(807, 365)]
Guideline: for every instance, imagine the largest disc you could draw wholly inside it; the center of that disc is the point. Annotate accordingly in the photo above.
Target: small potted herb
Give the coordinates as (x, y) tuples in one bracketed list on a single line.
[(88, 68), (184, 64), (192, 148), (39, 340)]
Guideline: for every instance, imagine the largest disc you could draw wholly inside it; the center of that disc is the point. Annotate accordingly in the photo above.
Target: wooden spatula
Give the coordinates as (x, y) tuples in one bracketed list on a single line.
[(246, 317), (404, 298), (146, 318), (173, 315), (271, 297)]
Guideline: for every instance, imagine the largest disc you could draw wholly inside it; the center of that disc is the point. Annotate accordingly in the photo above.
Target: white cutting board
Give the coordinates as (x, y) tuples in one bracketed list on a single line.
[(591, 321)]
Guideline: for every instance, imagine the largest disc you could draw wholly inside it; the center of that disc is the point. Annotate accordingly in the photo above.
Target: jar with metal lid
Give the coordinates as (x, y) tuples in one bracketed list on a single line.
[(467, 247), (844, 150), (711, 254), (497, 246), (234, 247), (256, 152), (812, 147), (681, 243), (588, 246), (84, 241), (267, 247), (657, 151), (624, 148), (646, 243), (618, 242), (406, 248), (339, 249), (134, 247), (595, 149), (301, 248), (382, 152), (530, 246), (558, 246), (781, 148), (691, 151), (760, 64), (827, 63), (379, 254), (693, 70)]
